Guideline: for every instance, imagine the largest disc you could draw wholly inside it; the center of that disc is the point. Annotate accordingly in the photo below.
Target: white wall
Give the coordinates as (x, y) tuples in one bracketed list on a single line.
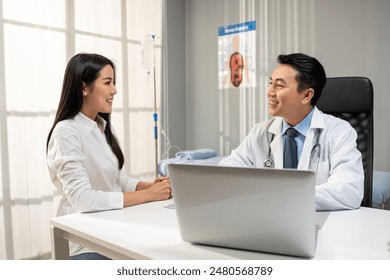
[(173, 111), (350, 37), (353, 38)]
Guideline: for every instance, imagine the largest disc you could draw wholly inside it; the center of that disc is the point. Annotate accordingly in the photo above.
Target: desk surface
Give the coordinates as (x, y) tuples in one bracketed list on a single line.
[(150, 231)]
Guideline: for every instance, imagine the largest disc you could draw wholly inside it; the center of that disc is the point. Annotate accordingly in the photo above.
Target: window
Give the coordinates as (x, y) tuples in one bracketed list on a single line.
[(39, 39)]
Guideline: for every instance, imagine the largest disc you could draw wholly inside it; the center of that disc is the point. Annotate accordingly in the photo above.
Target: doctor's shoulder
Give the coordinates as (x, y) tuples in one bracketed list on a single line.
[(337, 125), (264, 126)]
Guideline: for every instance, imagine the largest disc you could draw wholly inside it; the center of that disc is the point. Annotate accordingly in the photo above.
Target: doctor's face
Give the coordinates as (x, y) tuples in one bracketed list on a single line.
[(284, 100)]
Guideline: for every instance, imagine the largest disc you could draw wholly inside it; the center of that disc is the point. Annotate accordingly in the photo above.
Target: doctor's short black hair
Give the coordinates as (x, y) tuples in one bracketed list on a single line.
[(311, 73)]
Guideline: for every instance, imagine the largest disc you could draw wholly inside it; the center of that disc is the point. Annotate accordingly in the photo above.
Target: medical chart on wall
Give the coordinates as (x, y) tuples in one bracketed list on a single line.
[(237, 55)]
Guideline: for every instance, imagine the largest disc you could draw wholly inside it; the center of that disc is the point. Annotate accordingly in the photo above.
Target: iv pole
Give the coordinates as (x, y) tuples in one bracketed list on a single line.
[(155, 115)]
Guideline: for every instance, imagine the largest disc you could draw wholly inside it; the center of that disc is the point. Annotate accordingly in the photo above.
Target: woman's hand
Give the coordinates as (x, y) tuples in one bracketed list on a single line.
[(159, 189), (161, 178), (142, 185)]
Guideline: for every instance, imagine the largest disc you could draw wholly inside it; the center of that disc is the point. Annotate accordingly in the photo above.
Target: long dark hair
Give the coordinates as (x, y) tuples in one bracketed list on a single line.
[(85, 68)]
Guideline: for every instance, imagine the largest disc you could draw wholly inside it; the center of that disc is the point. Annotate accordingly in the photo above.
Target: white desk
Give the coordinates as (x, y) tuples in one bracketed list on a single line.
[(150, 231)]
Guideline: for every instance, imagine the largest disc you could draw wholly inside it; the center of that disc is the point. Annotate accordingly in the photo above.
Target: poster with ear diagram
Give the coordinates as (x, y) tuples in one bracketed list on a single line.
[(237, 55)]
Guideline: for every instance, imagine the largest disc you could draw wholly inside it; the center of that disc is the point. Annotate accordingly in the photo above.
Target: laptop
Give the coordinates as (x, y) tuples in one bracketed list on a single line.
[(266, 210)]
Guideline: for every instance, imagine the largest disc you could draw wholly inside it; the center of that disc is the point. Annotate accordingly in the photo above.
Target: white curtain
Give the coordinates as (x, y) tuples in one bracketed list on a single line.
[(38, 38)]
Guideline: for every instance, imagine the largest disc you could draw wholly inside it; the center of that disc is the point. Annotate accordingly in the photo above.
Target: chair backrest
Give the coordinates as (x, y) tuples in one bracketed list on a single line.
[(352, 99)]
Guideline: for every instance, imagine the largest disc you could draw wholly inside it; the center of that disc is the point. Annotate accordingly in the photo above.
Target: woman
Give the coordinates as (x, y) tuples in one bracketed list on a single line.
[(83, 155)]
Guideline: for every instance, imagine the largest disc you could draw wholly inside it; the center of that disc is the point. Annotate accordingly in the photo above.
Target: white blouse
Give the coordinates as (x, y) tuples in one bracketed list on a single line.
[(84, 168)]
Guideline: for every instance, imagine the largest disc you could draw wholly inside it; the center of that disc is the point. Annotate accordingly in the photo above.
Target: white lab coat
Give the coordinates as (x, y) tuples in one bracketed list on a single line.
[(340, 176)]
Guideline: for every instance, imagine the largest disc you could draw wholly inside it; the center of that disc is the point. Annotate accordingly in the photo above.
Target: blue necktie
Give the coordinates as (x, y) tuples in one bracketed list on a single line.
[(290, 157)]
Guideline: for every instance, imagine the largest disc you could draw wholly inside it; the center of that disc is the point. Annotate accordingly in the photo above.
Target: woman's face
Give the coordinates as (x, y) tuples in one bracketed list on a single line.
[(99, 96)]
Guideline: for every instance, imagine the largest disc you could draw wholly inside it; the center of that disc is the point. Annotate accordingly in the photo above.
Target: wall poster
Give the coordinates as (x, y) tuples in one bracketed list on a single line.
[(237, 55)]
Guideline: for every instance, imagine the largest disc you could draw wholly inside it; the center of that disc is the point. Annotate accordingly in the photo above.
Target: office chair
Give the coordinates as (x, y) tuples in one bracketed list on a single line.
[(352, 99)]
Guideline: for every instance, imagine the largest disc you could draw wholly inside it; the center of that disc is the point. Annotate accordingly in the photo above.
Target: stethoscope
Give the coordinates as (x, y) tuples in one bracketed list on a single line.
[(315, 152)]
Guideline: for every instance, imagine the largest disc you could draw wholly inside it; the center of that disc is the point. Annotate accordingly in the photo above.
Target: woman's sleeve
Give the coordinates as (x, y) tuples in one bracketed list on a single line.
[(128, 184)]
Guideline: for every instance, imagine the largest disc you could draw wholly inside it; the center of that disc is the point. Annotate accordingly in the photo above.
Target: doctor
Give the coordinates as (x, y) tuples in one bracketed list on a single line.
[(324, 143)]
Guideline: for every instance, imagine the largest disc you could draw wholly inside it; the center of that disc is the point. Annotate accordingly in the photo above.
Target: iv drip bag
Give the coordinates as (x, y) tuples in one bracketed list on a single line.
[(148, 52)]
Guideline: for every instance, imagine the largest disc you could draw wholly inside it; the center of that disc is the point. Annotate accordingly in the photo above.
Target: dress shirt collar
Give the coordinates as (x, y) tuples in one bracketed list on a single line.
[(302, 127), (89, 124)]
